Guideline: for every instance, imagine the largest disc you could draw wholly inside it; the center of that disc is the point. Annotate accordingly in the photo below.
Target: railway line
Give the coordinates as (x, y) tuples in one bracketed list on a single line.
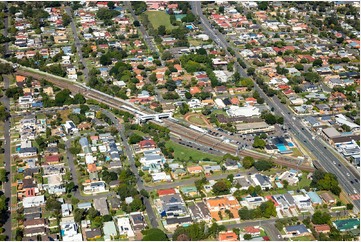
[(180, 130)]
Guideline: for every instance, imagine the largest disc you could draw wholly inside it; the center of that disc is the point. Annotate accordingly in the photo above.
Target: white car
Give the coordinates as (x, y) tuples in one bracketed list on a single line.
[(334, 162), (348, 174)]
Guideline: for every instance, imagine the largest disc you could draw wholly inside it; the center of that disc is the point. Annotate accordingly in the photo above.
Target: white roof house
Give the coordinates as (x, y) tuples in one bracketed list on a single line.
[(125, 228), (35, 201), (70, 231), (160, 176)]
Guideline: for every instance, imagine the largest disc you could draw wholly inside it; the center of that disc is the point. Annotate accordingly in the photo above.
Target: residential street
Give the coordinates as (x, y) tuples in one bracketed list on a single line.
[(140, 185), (78, 44), (7, 160)]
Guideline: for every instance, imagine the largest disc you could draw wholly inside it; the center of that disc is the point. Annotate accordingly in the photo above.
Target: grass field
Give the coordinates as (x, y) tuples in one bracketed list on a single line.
[(296, 152), (196, 119), (158, 18), (184, 153)]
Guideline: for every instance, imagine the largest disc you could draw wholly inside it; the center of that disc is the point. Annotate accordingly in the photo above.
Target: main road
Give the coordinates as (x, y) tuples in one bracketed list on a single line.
[(326, 159)]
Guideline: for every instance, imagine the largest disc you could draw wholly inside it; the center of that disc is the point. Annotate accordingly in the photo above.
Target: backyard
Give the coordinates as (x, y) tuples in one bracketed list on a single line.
[(158, 18)]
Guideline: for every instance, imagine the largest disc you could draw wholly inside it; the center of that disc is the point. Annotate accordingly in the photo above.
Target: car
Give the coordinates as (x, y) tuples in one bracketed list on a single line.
[(348, 174), (334, 162), (249, 173), (356, 180), (238, 175), (279, 236), (339, 164), (325, 147), (351, 182)]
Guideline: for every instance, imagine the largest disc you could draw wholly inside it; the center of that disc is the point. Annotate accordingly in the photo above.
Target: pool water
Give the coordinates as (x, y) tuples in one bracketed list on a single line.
[(290, 144), (281, 147)]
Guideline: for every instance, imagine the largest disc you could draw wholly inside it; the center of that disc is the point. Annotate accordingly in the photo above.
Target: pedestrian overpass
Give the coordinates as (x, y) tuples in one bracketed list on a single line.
[(157, 117)]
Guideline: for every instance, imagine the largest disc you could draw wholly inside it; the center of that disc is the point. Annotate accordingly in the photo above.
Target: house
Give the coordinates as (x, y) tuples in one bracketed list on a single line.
[(208, 169), (227, 236), (174, 222), (109, 231), (94, 187), (137, 220), (33, 201), (189, 191), (261, 180), (252, 230), (28, 151), (322, 228), (70, 127), (171, 206), (328, 198), (164, 192), (124, 227), (66, 209), (147, 144), (69, 230), (35, 223), (101, 205), (252, 202), (93, 233), (347, 224), (231, 164), (194, 169), (284, 201), (297, 230), (302, 201), (290, 176), (242, 181), (315, 199), (160, 176), (217, 204)]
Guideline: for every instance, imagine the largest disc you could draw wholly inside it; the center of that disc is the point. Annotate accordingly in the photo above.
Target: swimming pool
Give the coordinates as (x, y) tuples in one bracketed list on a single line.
[(290, 144), (281, 147)]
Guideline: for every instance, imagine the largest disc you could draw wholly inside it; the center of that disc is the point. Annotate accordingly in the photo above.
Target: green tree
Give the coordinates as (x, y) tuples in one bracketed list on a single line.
[(248, 162), (321, 218), (135, 138), (259, 143), (263, 165), (161, 30), (66, 19), (2, 175), (136, 23), (154, 234), (251, 71), (247, 237), (221, 187), (317, 62)]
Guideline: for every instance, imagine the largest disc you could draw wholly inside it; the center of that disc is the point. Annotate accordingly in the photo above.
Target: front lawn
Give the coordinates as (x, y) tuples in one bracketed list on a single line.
[(184, 153), (303, 238)]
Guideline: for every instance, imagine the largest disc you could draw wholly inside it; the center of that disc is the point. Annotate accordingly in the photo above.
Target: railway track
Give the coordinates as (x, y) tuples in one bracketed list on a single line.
[(175, 128)]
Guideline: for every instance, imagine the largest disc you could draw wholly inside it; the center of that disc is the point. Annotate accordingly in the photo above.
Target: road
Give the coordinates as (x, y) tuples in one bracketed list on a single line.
[(78, 44), (323, 155), (146, 37), (7, 160), (6, 145), (5, 30), (269, 226), (191, 181), (152, 217)]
